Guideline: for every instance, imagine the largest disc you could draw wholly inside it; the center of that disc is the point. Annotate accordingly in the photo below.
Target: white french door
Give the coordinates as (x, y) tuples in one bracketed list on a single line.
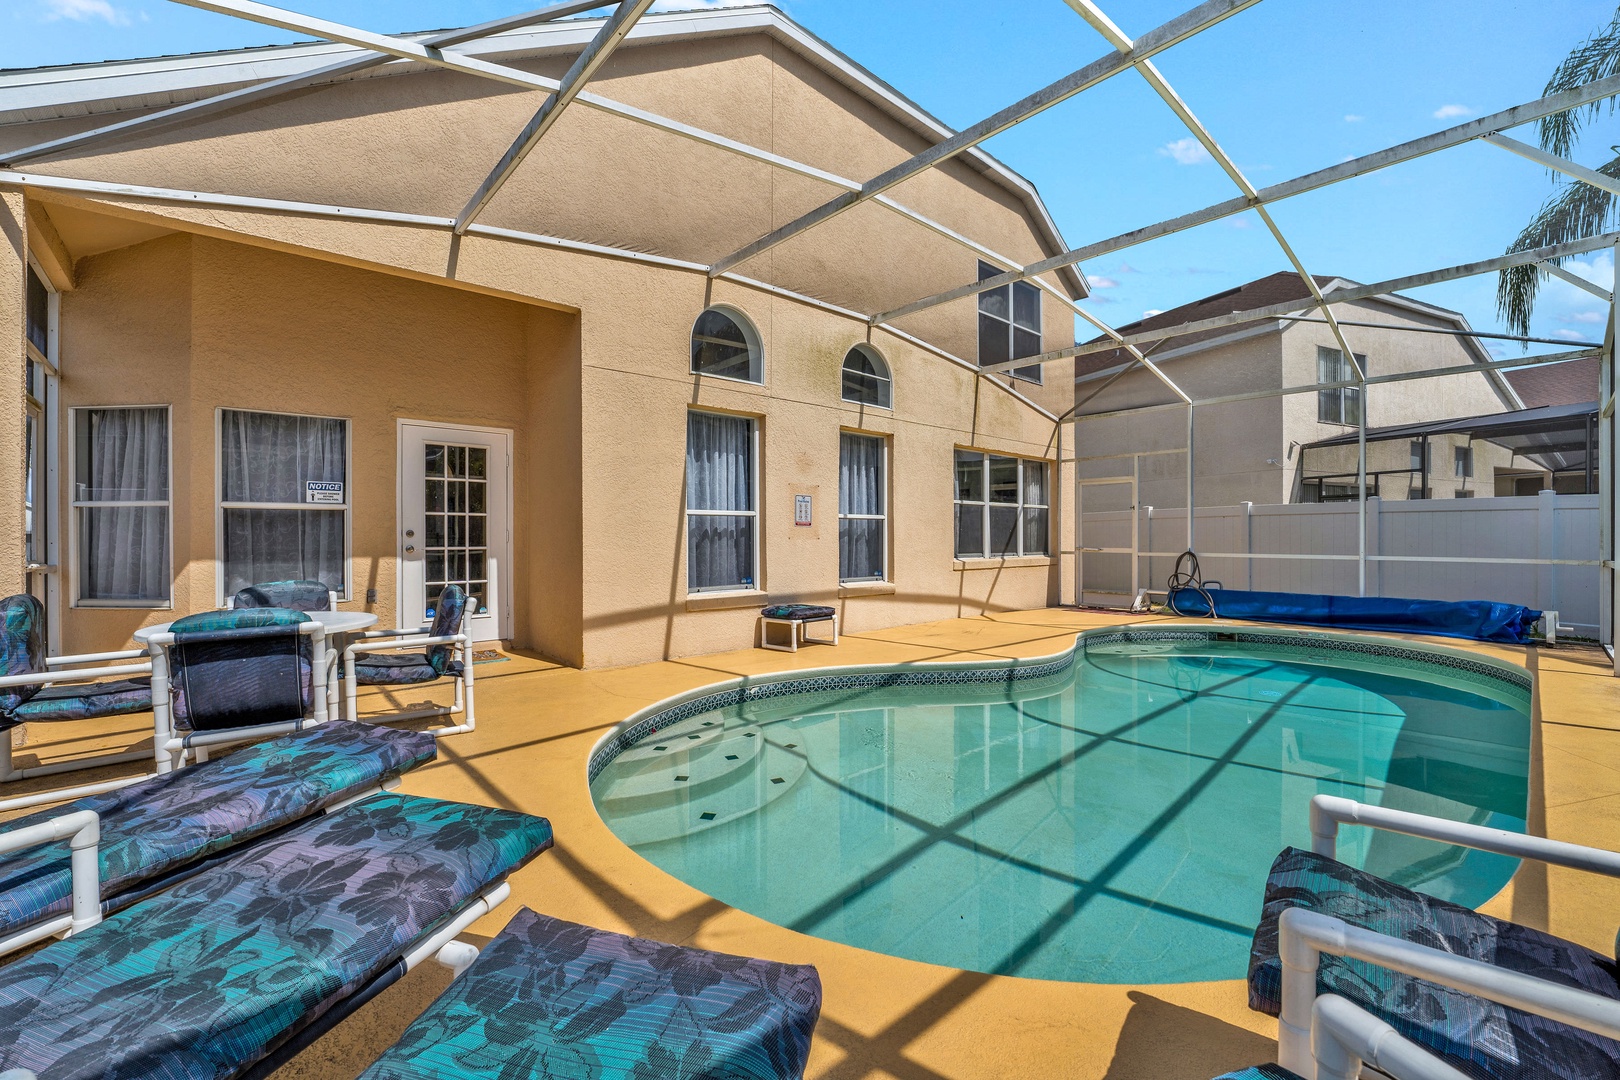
[(455, 499)]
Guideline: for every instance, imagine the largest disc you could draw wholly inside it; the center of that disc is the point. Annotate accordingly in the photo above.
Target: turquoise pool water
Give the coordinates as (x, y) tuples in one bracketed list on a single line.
[(1111, 824)]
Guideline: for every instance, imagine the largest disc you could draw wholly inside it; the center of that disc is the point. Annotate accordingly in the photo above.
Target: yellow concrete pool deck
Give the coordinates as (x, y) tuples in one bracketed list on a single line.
[(886, 1017)]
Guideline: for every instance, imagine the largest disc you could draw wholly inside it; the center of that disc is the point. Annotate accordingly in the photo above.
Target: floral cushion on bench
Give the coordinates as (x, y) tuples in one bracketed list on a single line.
[(555, 999), (799, 612)]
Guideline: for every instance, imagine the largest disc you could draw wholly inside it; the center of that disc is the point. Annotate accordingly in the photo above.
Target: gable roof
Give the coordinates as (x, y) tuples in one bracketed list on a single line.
[(117, 86), (1569, 383)]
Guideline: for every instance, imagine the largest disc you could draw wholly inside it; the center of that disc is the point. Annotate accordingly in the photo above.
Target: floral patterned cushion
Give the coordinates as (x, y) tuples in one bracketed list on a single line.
[(1478, 1037), (555, 999), (297, 595), (448, 611), (22, 646), (802, 612), (157, 828), (202, 981), (82, 701), (395, 669), (1261, 1072)]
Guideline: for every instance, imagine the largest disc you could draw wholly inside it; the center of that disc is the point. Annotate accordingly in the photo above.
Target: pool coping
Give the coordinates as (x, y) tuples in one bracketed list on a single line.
[(1481, 670)]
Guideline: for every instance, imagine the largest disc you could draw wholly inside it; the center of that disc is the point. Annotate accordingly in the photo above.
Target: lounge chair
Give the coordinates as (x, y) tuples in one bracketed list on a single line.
[(1343, 1038), (37, 688), (1493, 999), (167, 827), (225, 677), (552, 998), (296, 595), (232, 971), (374, 659)]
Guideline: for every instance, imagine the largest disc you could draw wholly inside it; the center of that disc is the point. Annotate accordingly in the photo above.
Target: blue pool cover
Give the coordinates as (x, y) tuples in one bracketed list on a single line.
[(1480, 620)]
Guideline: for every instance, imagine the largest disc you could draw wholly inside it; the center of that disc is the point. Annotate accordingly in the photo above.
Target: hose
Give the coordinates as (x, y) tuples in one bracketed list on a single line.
[(1191, 578)]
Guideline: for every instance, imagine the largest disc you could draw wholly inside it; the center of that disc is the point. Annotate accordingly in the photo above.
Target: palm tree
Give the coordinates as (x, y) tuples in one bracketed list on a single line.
[(1578, 209)]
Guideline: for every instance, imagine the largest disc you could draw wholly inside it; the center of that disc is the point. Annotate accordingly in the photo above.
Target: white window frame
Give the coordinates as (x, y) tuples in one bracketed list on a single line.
[(220, 505), (986, 504), (74, 553), (44, 403), (1030, 373), (753, 511), (883, 490), (878, 361), (750, 334), (1340, 396)]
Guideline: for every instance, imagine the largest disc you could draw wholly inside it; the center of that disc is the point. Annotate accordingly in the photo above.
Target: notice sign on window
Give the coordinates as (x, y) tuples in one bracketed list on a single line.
[(801, 509), (323, 491)]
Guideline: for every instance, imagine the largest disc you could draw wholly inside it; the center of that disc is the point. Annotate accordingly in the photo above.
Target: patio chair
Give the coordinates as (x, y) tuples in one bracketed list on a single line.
[(236, 676), (1493, 999), (296, 595), (233, 971), (1343, 1038), (167, 827), (552, 998), (382, 664), (36, 688)]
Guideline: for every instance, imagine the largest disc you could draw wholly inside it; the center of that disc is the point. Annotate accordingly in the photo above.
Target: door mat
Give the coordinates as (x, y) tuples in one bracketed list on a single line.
[(489, 656)]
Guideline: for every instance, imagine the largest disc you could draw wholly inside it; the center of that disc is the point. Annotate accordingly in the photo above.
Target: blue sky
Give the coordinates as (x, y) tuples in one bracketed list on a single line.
[(1287, 87)]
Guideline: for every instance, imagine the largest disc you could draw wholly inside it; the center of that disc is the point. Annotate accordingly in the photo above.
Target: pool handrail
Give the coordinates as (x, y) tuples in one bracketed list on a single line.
[(1304, 936)]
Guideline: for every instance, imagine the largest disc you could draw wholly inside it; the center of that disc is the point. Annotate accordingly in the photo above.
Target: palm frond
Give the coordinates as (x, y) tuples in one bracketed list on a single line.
[(1578, 210), (1597, 57)]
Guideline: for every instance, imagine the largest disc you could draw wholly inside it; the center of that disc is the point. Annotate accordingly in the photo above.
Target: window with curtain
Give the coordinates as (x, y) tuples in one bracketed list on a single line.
[(724, 344), (274, 525), (121, 505), (866, 378), (1341, 405), (1009, 324), (863, 520), (1001, 506), (721, 536)]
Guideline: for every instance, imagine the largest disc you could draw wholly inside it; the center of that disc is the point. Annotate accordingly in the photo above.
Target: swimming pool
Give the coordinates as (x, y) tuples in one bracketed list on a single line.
[(1107, 816)]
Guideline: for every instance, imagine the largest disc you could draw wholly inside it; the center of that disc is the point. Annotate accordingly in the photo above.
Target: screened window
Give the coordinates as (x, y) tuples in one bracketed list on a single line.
[(866, 378), (1463, 460), (284, 499), (863, 520), (1341, 405), (1009, 324), (721, 534), (1001, 506), (121, 505), (39, 313), (724, 344)]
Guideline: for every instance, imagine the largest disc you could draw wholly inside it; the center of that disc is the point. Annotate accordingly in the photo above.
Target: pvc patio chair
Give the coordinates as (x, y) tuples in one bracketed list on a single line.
[(166, 828), (233, 971), (37, 688), (373, 659), (1496, 1000), (236, 676), (1343, 1038), (296, 595), (552, 998)]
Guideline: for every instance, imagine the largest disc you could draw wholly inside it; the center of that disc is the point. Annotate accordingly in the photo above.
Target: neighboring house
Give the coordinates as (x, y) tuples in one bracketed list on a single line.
[(1574, 382), (1248, 450), (621, 457)]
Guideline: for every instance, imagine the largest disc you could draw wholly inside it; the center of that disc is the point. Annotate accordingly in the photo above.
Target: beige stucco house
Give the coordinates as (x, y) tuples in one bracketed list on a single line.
[(1250, 450), (254, 349)]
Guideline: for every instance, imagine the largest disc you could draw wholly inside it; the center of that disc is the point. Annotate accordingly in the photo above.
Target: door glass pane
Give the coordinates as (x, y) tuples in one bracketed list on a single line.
[(434, 463), (435, 497), (477, 462)]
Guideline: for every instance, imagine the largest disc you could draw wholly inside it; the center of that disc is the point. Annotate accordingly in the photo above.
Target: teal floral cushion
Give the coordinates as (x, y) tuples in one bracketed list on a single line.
[(83, 701), (1261, 1072), (202, 981), (549, 998), (802, 612), (22, 647)]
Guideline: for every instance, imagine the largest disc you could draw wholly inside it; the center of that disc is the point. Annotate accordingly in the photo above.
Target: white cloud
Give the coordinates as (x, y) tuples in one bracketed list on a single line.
[(1152, 311), (1447, 112), (1127, 268), (1241, 223), (1101, 300), (1352, 118), (1186, 151), (1568, 335), (688, 5), (1103, 282), (84, 11), (1585, 317)]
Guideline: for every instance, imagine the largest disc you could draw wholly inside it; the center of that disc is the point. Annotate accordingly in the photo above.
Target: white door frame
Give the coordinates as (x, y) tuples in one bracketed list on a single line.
[(1081, 550), (504, 545)]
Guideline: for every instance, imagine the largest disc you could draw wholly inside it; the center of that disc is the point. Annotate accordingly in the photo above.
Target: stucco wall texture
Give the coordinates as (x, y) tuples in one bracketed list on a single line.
[(584, 358)]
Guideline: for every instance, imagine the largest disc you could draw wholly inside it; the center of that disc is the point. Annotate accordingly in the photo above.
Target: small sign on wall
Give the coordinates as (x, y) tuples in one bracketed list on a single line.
[(801, 510), (323, 491)]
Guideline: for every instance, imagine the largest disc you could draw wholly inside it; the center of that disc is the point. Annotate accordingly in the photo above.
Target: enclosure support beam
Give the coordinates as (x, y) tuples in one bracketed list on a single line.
[(1556, 163), (1191, 458), (586, 65), (1361, 488), (1576, 280), (1610, 500)]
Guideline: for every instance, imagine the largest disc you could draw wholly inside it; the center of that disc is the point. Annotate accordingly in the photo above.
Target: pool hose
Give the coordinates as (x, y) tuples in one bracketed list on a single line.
[(1191, 578)]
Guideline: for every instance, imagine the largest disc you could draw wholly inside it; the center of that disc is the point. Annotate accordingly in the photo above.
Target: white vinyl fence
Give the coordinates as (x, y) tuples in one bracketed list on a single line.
[(1540, 551)]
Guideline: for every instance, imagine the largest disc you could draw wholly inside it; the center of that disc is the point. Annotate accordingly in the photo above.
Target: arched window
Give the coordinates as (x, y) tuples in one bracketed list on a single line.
[(866, 378), (724, 344)]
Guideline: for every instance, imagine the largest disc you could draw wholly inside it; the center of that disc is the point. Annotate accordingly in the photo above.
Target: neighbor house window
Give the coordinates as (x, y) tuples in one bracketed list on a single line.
[(863, 520), (721, 535), (1463, 460), (724, 344), (1341, 405), (1009, 324), (1416, 451), (1463, 494), (866, 378), (1001, 506), (121, 505), (283, 499)]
